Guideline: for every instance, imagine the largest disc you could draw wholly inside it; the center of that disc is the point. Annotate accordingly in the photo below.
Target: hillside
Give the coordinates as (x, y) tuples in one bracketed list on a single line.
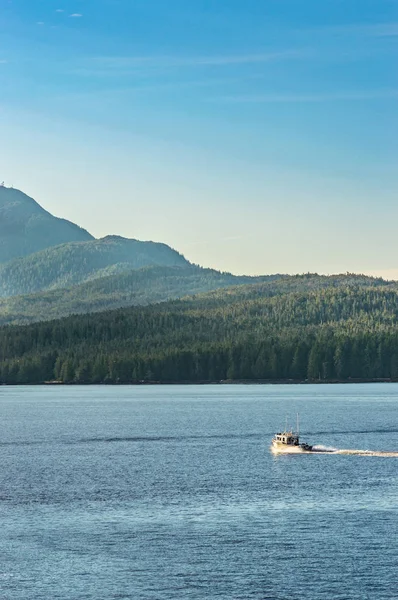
[(25, 227), (74, 263), (330, 329), (131, 288), (158, 284)]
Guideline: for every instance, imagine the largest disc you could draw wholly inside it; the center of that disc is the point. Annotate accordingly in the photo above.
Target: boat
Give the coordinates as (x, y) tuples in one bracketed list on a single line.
[(288, 442)]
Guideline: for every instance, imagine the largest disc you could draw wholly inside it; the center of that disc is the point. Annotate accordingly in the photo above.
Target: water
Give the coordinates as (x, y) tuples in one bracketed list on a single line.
[(171, 492)]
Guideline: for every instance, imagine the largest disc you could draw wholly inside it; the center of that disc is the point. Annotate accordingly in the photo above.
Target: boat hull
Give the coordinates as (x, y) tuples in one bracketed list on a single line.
[(285, 449)]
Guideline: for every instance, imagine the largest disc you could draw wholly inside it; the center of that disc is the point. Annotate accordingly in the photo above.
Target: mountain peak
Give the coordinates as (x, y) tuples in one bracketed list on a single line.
[(115, 238), (26, 227), (14, 197)]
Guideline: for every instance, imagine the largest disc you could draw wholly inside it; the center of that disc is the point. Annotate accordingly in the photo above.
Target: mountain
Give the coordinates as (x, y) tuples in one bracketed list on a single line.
[(25, 227), (41, 278), (336, 328), (131, 288), (77, 262)]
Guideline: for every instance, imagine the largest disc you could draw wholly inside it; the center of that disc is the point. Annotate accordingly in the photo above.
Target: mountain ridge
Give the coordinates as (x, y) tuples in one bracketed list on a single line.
[(129, 288), (74, 263), (153, 285)]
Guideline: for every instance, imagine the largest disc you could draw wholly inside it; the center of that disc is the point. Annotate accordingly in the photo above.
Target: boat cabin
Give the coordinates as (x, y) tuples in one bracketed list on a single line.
[(287, 437)]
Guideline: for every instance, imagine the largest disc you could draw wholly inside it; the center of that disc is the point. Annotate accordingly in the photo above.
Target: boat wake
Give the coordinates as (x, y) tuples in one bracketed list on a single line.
[(326, 450), (330, 450), (369, 453)]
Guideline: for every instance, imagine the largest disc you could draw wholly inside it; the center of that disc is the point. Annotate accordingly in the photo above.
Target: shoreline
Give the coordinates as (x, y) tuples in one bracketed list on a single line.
[(219, 382)]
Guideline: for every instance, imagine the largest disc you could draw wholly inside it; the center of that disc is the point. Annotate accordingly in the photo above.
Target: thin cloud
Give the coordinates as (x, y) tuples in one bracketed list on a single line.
[(310, 98), (40, 22), (3, 62), (373, 30), (133, 62), (233, 238), (76, 16), (60, 10), (384, 30)]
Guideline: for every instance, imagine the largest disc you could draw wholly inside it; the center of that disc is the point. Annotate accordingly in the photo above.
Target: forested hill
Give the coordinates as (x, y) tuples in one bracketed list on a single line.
[(307, 330), (131, 288), (158, 284), (71, 264), (25, 227)]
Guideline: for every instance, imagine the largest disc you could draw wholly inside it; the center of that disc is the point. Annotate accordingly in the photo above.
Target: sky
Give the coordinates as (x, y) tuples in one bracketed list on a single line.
[(254, 137)]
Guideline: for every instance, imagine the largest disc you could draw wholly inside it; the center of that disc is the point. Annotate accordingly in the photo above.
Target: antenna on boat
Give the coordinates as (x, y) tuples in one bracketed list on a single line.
[(286, 424), (298, 425)]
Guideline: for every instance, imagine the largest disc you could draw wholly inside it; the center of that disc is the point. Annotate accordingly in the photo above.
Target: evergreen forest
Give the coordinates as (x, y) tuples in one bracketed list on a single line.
[(303, 328)]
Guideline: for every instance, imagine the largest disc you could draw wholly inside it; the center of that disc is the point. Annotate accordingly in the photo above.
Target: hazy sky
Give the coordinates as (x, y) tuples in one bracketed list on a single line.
[(254, 136)]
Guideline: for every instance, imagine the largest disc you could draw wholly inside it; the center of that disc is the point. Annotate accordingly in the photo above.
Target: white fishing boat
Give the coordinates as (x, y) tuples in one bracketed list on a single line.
[(288, 442)]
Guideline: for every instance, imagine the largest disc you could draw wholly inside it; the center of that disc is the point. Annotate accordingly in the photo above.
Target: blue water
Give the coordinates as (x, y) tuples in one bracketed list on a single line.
[(171, 492)]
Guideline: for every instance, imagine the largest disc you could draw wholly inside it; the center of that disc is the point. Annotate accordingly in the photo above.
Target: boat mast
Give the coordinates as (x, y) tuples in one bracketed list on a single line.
[(298, 425)]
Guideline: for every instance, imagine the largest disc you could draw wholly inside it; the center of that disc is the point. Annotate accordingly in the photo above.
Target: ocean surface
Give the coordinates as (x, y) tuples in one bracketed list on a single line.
[(159, 492)]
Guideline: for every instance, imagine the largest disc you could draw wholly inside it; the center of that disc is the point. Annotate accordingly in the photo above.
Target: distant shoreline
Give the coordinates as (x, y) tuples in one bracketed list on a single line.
[(221, 382)]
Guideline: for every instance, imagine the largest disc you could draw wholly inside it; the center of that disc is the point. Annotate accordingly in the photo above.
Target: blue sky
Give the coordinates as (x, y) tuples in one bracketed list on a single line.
[(255, 136)]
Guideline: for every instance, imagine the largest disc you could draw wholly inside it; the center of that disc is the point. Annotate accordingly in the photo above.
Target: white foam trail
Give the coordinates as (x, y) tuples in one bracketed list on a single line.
[(354, 452), (328, 449), (319, 449), (380, 453)]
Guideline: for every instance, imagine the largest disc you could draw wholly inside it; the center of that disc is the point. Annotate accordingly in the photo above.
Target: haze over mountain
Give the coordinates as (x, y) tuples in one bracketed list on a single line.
[(25, 227), (77, 262), (131, 288), (87, 275), (152, 285)]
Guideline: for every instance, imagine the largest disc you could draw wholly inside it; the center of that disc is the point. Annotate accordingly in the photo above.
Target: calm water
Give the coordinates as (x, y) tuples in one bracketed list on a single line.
[(171, 492)]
